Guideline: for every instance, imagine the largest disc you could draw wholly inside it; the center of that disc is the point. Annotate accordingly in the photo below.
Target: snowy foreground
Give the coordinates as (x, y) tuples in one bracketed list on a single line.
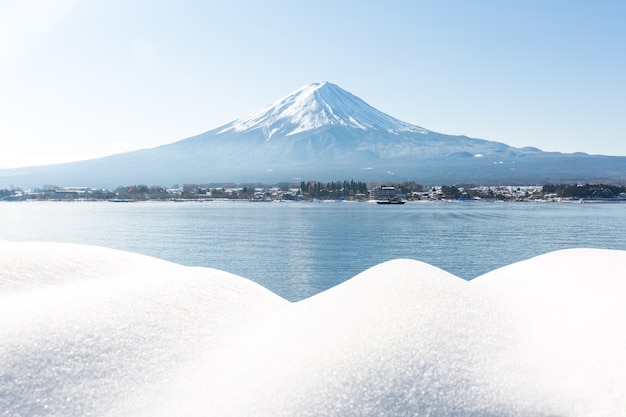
[(88, 331)]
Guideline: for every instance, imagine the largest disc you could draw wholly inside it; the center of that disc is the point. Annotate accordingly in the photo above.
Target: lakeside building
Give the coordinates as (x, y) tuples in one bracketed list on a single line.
[(384, 192)]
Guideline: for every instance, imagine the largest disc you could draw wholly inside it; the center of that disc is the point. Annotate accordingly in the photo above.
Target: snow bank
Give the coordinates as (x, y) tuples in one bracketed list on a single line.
[(93, 331)]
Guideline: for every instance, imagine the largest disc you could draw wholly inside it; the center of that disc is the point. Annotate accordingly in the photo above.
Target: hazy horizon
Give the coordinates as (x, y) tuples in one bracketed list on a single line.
[(83, 80)]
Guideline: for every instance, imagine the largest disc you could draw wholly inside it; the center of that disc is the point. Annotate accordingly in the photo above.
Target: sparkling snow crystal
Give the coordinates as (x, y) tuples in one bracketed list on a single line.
[(88, 331)]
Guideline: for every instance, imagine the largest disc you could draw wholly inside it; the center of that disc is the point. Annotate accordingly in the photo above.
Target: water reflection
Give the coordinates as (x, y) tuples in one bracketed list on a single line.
[(300, 249)]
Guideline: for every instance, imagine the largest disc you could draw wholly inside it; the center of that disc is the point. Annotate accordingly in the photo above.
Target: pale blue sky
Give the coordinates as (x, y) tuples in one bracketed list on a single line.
[(80, 79)]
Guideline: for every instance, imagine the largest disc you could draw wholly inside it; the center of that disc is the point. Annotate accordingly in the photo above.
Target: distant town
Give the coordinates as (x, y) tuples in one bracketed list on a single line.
[(317, 191)]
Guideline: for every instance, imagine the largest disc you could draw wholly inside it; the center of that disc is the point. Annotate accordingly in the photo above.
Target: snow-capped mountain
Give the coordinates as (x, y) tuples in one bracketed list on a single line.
[(322, 132), (315, 106), (321, 122)]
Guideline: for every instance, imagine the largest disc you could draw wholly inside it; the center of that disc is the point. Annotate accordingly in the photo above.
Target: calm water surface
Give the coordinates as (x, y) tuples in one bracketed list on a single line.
[(300, 249)]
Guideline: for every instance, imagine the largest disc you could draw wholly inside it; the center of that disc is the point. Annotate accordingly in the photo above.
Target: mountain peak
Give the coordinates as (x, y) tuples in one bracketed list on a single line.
[(314, 106)]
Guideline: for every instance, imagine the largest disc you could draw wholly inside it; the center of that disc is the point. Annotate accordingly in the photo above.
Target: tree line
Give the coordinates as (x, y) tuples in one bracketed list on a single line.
[(347, 189), (334, 189), (583, 191)]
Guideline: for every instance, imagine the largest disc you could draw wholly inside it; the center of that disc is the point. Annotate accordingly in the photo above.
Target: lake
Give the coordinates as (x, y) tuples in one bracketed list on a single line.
[(299, 249)]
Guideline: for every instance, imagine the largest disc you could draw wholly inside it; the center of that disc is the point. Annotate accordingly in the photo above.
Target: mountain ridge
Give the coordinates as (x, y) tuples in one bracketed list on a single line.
[(322, 132), (311, 107)]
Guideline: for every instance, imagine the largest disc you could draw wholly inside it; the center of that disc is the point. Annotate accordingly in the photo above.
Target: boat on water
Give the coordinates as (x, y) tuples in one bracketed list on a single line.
[(391, 200)]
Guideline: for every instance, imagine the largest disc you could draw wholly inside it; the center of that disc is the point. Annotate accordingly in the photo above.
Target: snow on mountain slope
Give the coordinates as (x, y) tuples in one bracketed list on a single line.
[(321, 132), (314, 106), (92, 331), (322, 123)]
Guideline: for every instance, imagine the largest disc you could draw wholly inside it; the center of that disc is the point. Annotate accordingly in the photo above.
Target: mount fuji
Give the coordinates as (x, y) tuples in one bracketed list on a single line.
[(322, 132)]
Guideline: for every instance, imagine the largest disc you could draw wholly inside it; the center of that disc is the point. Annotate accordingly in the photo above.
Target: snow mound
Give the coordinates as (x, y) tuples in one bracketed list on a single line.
[(93, 331)]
